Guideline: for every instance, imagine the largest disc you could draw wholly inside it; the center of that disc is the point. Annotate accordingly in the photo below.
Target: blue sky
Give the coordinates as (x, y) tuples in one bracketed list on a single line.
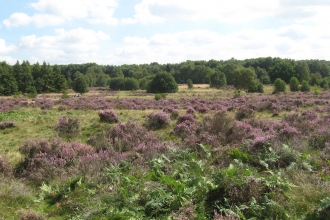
[(119, 32)]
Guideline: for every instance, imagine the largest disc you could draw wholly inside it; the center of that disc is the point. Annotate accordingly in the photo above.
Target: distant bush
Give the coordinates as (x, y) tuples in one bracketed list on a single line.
[(163, 82), (31, 91), (121, 83), (294, 84), (190, 84), (279, 86), (159, 96), (4, 125), (108, 116), (305, 86), (158, 120), (67, 127)]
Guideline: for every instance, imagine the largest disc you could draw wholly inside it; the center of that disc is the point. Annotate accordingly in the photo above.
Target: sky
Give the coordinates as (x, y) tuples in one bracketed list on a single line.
[(116, 32)]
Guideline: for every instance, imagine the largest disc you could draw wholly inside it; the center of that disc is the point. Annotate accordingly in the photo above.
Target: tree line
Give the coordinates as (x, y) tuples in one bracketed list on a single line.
[(249, 75)]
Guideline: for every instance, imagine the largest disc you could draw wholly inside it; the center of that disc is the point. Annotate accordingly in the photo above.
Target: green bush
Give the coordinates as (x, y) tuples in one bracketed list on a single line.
[(163, 82), (279, 86), (305, 86), (294, 84), (190, 84)]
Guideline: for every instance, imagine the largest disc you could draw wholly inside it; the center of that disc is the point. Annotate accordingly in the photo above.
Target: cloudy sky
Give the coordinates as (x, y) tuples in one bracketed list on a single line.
[(119, 32)]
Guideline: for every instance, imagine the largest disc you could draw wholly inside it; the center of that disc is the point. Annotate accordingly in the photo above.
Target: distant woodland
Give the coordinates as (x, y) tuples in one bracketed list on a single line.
[(26, 78)]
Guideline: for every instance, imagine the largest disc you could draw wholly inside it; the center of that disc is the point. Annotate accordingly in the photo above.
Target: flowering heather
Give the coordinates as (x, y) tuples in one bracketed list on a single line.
[(158, 120), (67, 127), (172, 111), (108, 116), (4, 125), (190, 110), (5, 168), (45, 160), (186, 117)]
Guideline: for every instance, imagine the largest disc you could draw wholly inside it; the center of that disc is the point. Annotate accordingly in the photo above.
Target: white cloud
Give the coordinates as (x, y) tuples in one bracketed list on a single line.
[(6, 49), (56, 12), (79, 45), (10, 60), (234, 11), (295, 41)]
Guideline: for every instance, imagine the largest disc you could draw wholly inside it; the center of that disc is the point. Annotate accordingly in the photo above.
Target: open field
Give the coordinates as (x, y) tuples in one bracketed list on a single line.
[(197, 154)]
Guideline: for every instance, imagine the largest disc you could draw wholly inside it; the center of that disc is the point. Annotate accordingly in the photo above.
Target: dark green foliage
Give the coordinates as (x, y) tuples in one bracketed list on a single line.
[(190, 84), (159, 96), (305, 86), (294, 84), (315, 79), (246, 79), (218, 79), (8, 84), (262, 75), (80, 85), (143, 83), (163, 82), (279, 86), (240, 155), (31, 91), (121, 83), (283, 70), (302, 71)]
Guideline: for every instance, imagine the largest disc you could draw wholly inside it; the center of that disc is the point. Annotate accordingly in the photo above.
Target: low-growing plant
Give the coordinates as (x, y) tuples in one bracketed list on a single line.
[(172, 111), (158, 120), (159, 96), (8, 124), (30, 215), (108, 116), (68, 127)]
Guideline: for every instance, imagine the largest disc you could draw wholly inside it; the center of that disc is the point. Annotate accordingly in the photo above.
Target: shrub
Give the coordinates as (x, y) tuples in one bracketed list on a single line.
[(160, 96), (174, 113), (4, 125), (163, 82), (31, 91), (305, 86), (30, 215), (186, 117), (294, 84), (108, 116), (5, 168), (190, 110), (279, 86), (67, 128), (158, 120), (190, 84), (244, 112)]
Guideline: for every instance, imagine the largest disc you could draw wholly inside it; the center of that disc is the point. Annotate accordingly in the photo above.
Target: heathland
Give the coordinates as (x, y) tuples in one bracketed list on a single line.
[(199, 153)]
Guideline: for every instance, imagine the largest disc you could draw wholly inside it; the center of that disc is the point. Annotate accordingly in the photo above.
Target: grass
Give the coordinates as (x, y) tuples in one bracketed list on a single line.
[(137, 184)]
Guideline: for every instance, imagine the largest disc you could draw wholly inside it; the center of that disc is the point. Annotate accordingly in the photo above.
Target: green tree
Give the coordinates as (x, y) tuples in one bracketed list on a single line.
[(315, 79), (279, 86), (246, 79), (163, 82), (59, 83), (262, 75), (283, 70), (302, 71), (218, 79), (190, 84), (294, 84), (8, 84), (80, 85), (305, 86)]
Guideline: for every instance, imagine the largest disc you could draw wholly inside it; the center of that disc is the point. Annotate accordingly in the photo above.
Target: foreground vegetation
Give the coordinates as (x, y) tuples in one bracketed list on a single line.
[(200, 153)]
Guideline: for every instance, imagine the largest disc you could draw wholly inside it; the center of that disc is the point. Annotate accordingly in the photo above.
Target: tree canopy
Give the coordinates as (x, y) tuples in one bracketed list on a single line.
[(163, 82)]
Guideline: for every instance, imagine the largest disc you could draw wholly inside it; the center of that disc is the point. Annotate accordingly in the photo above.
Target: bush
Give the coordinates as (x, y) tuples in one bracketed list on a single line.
[(31, 91), (108, 116), (30, 215), (279, 86), (305, 86), (190, 84), (294, 84), (163, 82), (174, 113), (160, 96), (121, 83), (67, 128), (5, 168), (244, 112), (4, 125), (158, 120)]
